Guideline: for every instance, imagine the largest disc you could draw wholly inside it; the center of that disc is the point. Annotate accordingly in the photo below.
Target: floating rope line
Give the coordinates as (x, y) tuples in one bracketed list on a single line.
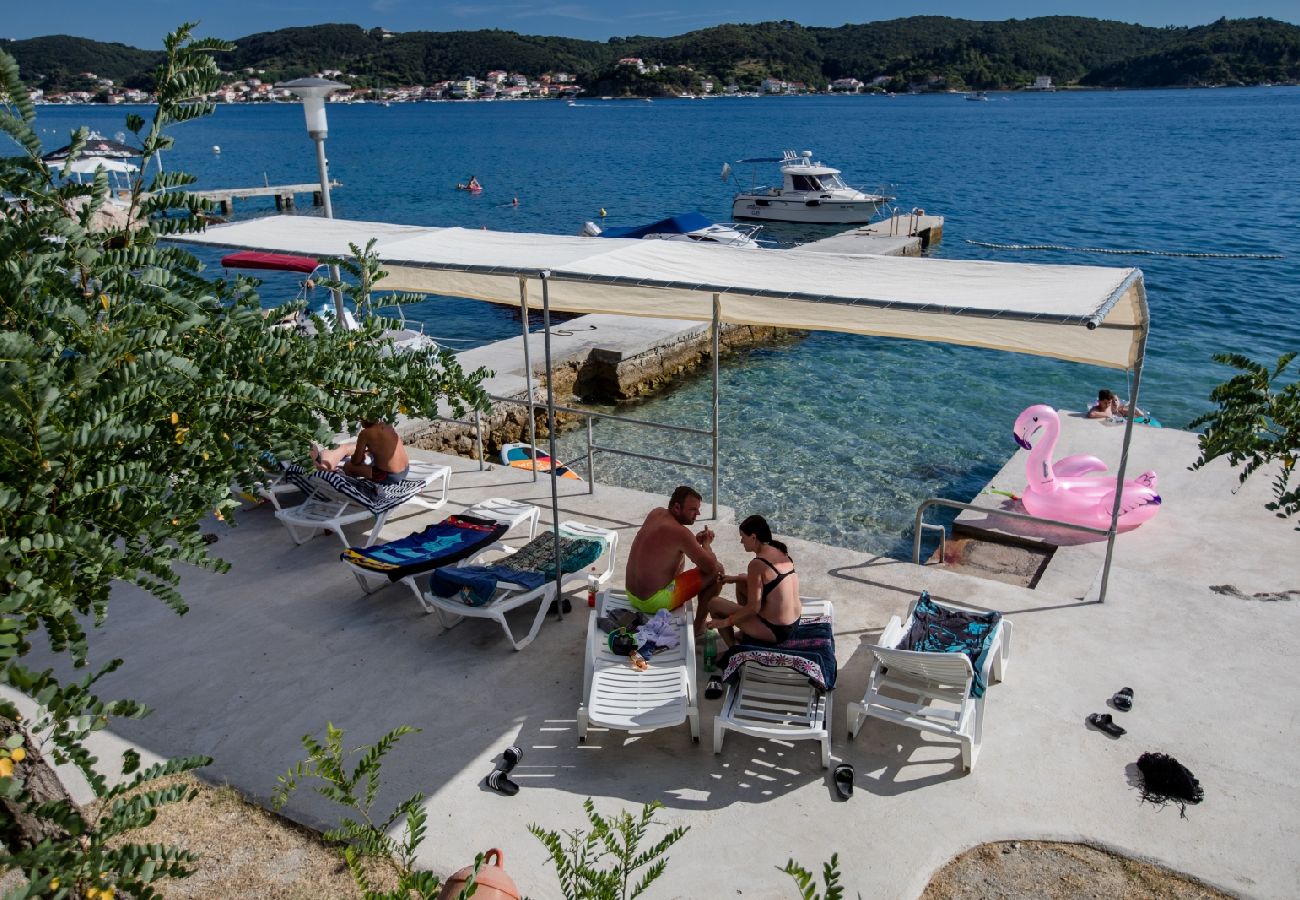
[(1126, 252)]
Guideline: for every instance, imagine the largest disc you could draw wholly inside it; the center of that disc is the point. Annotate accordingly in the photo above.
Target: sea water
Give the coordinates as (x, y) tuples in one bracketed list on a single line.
[(837, 437)]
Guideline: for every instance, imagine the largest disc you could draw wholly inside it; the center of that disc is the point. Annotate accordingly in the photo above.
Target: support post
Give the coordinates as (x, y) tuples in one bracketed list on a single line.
[(1123, 464), (528, 366), (550, 428), (717, 343), (323, 168)]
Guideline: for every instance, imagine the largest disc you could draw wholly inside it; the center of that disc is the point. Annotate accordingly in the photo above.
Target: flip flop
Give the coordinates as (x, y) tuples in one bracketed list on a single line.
[(1102, 722), (844, 780), (510, 758), (713, 690), (1123, 699), (498, 782)]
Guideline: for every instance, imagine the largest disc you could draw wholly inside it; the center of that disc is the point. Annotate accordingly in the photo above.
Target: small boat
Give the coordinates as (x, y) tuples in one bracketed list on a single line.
[(523, 456), (690, 226), (978, 96), (810, 192)]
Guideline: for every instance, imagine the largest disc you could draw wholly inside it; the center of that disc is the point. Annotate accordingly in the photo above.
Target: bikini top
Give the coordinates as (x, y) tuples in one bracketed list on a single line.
[(780, 576)]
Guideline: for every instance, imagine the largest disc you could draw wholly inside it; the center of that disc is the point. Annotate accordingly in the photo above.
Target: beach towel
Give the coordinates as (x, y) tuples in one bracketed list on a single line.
[(373, 496), (451, 540), (942, 629), (810, 651), (531, 567)]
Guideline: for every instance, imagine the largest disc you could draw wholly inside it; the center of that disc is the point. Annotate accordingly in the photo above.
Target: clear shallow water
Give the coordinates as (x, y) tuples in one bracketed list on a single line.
[(838, 437)]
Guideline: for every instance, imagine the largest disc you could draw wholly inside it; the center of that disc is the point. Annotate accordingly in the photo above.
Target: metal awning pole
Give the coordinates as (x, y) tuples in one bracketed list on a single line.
[(550, 429), (528, 365), (1123, 466), (717, 340)]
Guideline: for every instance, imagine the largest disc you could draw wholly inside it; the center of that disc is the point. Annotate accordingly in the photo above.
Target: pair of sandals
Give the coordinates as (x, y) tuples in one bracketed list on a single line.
[(1103, 722), (499, 780)]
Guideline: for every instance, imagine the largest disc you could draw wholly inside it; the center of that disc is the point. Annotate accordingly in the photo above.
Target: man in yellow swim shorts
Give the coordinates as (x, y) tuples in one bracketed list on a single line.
[(657, 577)]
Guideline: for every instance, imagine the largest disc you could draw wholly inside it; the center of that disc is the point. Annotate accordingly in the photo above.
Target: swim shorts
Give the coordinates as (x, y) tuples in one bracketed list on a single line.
[(682, 588)]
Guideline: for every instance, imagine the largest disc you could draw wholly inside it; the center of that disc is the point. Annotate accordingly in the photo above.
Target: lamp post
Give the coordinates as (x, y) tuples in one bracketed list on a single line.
[(313, 92)]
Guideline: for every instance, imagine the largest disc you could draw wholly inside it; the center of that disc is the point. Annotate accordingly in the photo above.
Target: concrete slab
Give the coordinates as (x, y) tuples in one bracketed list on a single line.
[(286, 641)]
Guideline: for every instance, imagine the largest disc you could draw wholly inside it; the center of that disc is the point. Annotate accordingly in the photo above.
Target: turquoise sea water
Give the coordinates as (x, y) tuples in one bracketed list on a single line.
[(838, 437)]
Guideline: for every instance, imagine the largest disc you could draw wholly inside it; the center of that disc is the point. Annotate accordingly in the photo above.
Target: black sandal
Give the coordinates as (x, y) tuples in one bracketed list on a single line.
[(510, 758), (713, 690), (498, 782), (844, 780), (1123, 699), (1102, 722)]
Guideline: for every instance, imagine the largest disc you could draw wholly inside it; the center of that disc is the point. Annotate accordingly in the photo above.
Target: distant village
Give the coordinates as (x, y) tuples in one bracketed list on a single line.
[(495, 85)]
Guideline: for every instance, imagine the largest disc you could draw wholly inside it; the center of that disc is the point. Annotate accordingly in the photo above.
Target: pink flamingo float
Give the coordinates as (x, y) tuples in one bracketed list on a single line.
[(1058, 490)]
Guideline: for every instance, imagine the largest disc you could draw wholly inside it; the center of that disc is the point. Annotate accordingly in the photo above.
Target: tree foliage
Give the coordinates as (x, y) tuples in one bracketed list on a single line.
[(135, 391), (1257, 423), (955, 52)]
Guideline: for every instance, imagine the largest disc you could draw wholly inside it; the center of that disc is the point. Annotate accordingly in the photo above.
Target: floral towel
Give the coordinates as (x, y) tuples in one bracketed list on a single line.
[(810, 651)]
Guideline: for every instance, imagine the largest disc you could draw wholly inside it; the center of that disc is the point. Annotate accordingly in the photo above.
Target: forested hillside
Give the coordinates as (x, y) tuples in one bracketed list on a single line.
[(927, 50)]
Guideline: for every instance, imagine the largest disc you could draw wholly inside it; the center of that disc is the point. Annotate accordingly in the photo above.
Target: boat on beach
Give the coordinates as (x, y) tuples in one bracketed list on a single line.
[(691, 226), (525, 456), (810, 191)]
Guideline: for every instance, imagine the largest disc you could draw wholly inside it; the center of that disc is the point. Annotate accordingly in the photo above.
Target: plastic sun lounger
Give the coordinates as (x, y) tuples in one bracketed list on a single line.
[(451, 612), (931, 691), (325, 507), (778, 704), (616, 696)]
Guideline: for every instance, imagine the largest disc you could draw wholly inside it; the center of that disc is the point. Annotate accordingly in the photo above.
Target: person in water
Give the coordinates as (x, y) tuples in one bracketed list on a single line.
[(473, 184), (767, 605), (657, 577), (377, 442), (1109, 405)]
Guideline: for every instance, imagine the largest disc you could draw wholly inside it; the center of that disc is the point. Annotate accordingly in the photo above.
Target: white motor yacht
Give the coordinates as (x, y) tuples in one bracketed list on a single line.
[(810, 192)]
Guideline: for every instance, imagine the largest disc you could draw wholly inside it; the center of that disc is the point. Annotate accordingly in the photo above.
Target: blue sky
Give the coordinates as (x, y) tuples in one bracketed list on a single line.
[(142, 23)]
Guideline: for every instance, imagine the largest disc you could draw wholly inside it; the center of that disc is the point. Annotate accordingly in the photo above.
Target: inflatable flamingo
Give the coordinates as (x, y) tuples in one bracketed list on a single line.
[(1057, 491)]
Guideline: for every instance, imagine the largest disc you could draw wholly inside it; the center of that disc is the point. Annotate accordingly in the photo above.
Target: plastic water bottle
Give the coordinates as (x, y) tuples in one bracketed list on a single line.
[(710, 650), (593, 583)]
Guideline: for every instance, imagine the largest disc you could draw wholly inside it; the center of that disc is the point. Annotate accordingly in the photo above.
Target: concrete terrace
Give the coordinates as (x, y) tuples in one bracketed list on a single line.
[(287, 641)]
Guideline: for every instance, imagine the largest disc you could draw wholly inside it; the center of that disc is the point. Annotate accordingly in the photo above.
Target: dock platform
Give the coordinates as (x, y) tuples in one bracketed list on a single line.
[(903, 234), (284, 194)]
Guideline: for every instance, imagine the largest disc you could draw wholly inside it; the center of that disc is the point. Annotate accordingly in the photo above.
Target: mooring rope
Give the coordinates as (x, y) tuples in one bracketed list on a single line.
[(1131, 252)]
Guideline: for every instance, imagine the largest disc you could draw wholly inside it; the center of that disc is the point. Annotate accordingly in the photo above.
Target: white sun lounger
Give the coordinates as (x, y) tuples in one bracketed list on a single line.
[(931, 691), (451, 612), (616, 696), (333, 501), (778, 704)]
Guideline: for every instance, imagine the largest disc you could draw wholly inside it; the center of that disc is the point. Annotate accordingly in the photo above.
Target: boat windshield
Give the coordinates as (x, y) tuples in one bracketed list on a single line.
[(805, 183), (833, 183)]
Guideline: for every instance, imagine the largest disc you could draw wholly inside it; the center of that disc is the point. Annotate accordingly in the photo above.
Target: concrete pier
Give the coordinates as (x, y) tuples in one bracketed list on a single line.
[(284, 194), (903, 234), (287, 641)]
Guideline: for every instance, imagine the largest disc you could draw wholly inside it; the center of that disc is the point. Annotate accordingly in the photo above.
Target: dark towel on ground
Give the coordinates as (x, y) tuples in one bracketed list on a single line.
[(810, 650), (451, 540), (942, 629), (532, 566), (1166, 780)]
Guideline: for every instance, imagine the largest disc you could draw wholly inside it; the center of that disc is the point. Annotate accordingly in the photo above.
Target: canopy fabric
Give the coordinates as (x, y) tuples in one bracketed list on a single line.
[(682, 224), (1087, 314)]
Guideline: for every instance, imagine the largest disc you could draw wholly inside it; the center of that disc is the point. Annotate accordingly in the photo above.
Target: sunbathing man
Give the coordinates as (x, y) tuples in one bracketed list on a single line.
[(377, 455), (657, 577)]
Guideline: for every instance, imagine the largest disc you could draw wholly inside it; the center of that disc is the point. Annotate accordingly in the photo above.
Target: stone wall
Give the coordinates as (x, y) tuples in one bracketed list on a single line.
[(601, 376)]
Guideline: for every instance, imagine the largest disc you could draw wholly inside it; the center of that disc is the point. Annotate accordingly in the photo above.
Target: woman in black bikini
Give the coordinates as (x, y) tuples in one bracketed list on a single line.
[(767, 604)]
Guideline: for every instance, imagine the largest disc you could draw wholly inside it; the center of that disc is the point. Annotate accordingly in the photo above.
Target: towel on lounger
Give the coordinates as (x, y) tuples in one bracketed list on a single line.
[(810, 651), (943, 629), (531, 567), (451, 540)]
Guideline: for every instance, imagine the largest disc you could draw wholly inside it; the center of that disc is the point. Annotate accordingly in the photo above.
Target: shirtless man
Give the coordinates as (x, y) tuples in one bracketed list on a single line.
[(657, 577), (377, 441)]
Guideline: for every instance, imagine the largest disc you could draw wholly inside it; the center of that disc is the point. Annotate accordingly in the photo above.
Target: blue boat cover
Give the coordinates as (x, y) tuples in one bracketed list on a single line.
[(683, 224)]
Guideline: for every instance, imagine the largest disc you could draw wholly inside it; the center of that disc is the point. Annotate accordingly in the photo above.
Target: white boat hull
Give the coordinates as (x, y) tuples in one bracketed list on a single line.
[(800, 209)]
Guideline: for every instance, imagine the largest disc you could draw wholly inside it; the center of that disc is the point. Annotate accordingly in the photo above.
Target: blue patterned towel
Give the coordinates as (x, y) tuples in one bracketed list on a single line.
[(810, 651), (943, 629), (451, 540), (532, 566)]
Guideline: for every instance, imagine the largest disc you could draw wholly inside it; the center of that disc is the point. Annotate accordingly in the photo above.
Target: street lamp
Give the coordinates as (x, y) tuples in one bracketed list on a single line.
[(313, 92)]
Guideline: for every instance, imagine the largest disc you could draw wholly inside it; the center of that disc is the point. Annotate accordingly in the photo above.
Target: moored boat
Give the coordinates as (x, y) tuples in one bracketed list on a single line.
[(691, 226), (810, 192)]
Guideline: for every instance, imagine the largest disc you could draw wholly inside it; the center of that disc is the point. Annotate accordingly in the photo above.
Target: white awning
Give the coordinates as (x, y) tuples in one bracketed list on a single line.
[(1087, 314)]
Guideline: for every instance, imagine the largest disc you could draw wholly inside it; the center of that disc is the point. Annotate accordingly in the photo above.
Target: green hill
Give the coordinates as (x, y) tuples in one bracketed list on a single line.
[(927, 49)]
